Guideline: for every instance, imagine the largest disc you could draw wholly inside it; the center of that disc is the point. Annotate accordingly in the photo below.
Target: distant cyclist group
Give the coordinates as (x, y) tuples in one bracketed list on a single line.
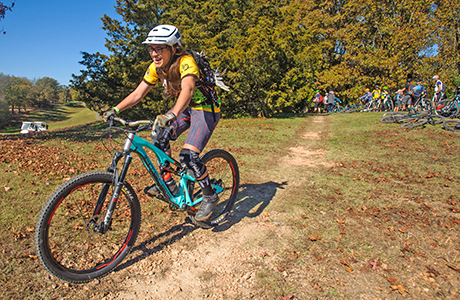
[(379, 99), (405, 98), (330, 101)]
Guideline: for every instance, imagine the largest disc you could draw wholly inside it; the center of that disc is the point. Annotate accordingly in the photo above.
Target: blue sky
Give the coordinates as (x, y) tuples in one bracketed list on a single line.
[(46, 38)]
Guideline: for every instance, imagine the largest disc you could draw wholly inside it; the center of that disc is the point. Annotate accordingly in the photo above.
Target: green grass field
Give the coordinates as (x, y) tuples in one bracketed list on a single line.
[(58, 116)]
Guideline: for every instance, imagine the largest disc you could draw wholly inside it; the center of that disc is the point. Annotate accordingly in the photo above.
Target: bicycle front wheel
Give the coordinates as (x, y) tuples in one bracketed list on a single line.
[(225, 178), (67, 244)]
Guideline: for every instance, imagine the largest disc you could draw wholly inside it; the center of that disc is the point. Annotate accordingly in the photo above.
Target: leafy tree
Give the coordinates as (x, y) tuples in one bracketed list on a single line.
[(64, 93), (276, 53), (46, 91), (3, 9), (373, 42), (255, 41), (17, 91), (447, 42)]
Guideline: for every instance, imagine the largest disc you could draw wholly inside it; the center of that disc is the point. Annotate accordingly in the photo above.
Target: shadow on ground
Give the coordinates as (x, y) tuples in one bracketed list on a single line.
[(251, 202)]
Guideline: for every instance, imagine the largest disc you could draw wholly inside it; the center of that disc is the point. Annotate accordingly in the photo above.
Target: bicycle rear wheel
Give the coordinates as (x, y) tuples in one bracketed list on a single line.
[(225, 178), (452, 125), (66, 245)]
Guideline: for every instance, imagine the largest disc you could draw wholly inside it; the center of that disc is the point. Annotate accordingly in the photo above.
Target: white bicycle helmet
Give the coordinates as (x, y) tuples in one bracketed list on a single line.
[(164, 35), (436, 77)]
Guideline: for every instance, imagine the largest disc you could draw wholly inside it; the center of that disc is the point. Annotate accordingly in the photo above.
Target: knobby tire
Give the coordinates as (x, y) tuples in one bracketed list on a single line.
[(65, 244), (223, 172)]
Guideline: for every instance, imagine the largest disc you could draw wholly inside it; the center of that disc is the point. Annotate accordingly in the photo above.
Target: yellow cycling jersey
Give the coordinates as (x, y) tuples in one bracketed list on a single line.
[(376, 94), (187, 67), (384, 94)]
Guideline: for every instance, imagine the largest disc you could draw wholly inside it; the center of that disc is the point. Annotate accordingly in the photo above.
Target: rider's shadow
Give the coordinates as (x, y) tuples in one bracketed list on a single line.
[(173, 235), (251, 202)]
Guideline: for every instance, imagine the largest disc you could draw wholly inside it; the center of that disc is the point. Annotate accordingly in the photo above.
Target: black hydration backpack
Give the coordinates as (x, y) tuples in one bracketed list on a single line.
[(208, 80)]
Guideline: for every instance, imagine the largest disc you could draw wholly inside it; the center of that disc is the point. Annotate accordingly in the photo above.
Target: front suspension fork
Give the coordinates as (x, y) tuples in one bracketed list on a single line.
[(104, 225)]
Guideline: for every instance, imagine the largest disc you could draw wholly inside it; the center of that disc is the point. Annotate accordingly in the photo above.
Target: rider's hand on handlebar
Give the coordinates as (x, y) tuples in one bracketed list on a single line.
[(109, 115), (165, 120)]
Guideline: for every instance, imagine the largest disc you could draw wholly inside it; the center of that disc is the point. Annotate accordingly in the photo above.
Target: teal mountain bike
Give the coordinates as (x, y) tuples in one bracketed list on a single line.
[(90, 223)]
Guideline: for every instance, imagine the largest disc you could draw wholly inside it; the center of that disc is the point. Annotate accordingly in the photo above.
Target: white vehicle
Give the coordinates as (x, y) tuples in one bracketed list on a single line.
[(28, 127)]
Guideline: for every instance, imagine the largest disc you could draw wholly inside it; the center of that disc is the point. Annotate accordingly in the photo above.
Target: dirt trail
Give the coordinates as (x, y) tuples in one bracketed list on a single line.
[(221, 264)]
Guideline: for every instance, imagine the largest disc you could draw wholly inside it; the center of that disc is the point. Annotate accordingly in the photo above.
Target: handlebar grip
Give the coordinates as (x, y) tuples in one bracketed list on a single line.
[(132, 124)]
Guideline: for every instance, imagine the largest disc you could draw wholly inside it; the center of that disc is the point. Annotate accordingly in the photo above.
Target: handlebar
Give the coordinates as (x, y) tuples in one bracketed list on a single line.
[(145, 124), (134, 124)]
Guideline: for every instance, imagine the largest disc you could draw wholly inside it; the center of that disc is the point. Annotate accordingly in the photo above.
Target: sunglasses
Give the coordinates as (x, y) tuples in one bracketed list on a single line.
[(157, 50)]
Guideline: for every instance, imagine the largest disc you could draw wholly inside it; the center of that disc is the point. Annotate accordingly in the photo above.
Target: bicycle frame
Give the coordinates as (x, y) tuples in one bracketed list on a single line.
[(372, 104), (453, 105), (421, 102), (136, 144)]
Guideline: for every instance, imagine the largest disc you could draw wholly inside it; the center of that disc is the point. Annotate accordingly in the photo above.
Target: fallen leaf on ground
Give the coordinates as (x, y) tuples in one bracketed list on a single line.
[(391, 280), (432, 271), (400, 288), (315, 237), (455, 220), (318, 287), (340, 221)]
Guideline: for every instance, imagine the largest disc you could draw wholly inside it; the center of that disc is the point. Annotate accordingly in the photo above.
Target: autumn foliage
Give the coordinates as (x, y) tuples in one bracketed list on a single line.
[(277, 53)]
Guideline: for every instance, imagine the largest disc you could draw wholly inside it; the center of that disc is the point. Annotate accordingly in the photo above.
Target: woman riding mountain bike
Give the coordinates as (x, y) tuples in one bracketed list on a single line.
[(178, 72)]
